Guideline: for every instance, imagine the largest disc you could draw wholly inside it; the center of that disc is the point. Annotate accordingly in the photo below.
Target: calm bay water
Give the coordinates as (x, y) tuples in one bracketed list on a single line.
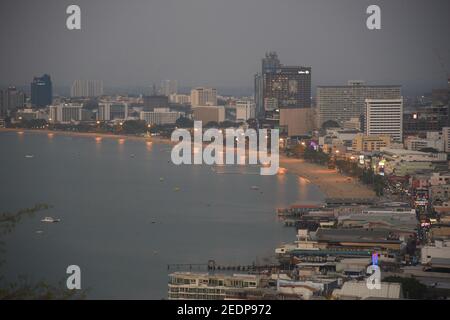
[(121, 224)]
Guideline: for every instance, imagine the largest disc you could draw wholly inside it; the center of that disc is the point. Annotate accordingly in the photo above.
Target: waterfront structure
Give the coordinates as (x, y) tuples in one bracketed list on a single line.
[(65, 113), (204, 286), (365, 143), (87, 88), (11, 99), (245, 109), (203, 96), (385, 117), (41, 91), (169, 87), (160, 116), (209, 114), (342, 103)]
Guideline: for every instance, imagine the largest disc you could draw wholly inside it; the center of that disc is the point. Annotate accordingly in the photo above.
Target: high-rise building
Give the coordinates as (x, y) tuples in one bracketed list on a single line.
[(87, 88), (341, 103), (282, 86), (363, 143), (245, 110), (160, 116), (385, 117), (112, 111), (202, 96), (65, 113), (258, 96), (11, 99), (41, 91), (169, 87)]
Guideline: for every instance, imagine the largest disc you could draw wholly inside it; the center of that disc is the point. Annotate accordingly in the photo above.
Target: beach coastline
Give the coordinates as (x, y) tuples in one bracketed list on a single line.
[(330, 182)]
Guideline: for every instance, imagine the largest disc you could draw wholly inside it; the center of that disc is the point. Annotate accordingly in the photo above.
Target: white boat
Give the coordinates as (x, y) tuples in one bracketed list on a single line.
[(29, 156), (255, 188), (50, 220)]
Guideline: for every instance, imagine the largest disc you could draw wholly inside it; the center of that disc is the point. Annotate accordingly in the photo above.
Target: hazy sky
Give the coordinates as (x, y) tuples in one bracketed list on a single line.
[(221, 42)]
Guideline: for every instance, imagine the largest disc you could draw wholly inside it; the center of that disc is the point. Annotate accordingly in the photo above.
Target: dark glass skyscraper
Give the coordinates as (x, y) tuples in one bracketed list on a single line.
[(282, 86), (41, 91)]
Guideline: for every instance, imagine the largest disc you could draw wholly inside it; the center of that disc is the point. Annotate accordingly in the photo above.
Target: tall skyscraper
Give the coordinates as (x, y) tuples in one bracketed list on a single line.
[(341, 103), (41, 91), (258, 96), (202, 96), (11, 99), (169, 87), (385, 117), (282, 86), (87, 88)]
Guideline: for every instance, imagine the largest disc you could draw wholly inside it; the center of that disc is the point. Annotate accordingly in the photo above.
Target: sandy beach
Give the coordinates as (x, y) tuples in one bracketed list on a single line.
[(332, 184)]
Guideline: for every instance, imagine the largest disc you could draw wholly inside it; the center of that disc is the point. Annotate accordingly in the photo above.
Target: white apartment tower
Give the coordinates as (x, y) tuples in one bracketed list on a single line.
[(87, 88), (385, 117)]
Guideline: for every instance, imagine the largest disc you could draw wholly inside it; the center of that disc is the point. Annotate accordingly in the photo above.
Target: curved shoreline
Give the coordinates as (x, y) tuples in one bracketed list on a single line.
[(331, 183)]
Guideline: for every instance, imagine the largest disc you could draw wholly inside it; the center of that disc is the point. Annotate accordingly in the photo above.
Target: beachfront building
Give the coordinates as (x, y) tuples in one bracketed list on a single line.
[(65, 113), (204, 286), (342, 103), (160, 116), (112, 111), (365, 143)]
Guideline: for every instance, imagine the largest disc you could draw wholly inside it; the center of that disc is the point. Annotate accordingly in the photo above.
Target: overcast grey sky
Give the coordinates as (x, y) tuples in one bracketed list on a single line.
[(221, 42)]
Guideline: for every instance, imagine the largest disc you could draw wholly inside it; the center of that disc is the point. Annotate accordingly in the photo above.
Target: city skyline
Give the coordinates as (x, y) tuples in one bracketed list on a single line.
[(408, 50)]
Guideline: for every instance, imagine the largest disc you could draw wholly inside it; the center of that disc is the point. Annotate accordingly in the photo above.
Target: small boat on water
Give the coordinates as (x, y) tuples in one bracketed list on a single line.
[(255, 188), (161, 179), (29, 156), (50, 220), (176, 189)]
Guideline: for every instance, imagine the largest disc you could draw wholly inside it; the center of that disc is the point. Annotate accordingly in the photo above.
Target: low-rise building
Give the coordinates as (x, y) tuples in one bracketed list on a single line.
[(205, 286), (363, 143), (357, 290), (160, 116), (209, 114)]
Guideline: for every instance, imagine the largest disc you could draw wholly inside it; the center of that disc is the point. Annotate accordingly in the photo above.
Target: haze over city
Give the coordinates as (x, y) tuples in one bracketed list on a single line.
[(137, 43)]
